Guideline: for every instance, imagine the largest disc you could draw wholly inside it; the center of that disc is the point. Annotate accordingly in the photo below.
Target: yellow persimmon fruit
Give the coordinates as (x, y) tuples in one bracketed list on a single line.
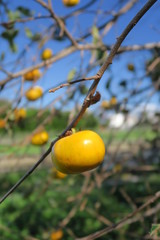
[(32, 75), (113, 101), (34, 93), (2, 123), (79, 152), (131, 67), (46, 54), (105, 104), (36, 74), (70, 3), (19, 114), (40, 138), (28, 76), (56, 235)]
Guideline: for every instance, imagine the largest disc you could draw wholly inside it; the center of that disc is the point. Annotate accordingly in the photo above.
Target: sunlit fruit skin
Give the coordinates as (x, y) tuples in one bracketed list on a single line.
[(57, 235), (2, 123), (19, 114), (34, 93), (32, 75), (46, 54), (79, 152), (40, 138), (70, 3)]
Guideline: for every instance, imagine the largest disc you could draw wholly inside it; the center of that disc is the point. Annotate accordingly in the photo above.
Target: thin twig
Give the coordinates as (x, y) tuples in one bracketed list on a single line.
[(121, 222), (71, 83), (58, 21), (87, 103)]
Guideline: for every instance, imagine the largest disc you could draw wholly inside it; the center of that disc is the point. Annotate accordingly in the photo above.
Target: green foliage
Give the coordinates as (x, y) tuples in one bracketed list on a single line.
[(28, 32), (89, 121), (71, 75), (155, 230), (99, 54), (108, 84), (58, 122), (13, 15), (10, 35), (25, 11), (38, 207)]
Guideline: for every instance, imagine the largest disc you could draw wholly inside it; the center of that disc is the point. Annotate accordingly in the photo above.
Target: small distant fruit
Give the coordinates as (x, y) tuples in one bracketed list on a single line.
[(34, 93), (105, 104), (46, 54), (70, 3), (57, 235), (79, 152), (131, 67), (40, 138), (32, 75), (2, 123), (113, 101), (19, 114), (28, 76)]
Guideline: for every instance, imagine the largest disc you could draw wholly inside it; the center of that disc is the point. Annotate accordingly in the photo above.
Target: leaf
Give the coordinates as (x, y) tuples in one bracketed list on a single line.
[(28, 33), (36, 37), (155, 230), (13, 46), (2, 57), (100, 55), (9, 35), (95, 34), (13, 16), (108, 83), (123, 83), (24, 11), (71, 75), (83, 89)]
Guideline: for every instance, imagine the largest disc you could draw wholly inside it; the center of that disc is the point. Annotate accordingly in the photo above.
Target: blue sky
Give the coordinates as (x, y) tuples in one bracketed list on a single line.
[(145, 31)]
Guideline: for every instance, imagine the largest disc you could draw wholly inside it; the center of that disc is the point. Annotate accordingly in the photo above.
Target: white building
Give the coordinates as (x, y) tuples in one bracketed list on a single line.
[(119, 120)]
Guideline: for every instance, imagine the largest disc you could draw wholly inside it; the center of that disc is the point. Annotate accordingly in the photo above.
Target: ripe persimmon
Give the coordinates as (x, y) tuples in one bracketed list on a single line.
[(79, 152), (70, 3), (34, 93), (46, 54)]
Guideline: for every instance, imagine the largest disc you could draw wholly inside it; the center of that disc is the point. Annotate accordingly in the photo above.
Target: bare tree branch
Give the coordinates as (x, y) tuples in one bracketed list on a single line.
[(87, 103)]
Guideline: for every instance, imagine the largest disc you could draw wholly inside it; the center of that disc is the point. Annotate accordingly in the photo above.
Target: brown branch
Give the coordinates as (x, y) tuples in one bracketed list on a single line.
[(71, 83), (116, 16), (120, 39), (121, 222), (55, 58), (22, 20), (122, 11), (71, 50), (87, 103), (58, 21), (63, 53)]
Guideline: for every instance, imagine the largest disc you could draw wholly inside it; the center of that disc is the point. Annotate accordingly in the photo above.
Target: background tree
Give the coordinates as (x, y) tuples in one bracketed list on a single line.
[(56, 75)]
